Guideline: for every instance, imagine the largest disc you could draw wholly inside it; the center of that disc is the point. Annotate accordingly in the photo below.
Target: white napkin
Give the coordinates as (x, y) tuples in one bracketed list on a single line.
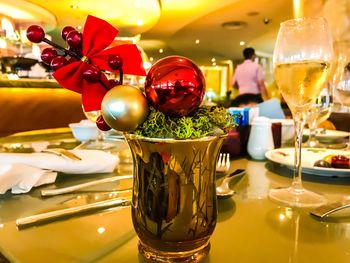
[(21, 171), (21, 177)]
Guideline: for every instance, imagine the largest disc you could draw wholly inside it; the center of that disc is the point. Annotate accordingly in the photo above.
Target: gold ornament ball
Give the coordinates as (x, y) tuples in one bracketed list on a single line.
[(124, 107)]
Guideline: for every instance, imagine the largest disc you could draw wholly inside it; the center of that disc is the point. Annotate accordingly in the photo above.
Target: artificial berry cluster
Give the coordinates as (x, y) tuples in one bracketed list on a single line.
[(74, 38), (58, 56)]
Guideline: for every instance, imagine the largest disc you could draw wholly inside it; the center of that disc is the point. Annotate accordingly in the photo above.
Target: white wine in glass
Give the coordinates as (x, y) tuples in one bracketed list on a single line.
[(301, 60)]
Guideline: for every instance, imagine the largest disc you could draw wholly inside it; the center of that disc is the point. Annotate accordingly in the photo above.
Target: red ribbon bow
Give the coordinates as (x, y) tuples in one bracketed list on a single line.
[(97, 36)]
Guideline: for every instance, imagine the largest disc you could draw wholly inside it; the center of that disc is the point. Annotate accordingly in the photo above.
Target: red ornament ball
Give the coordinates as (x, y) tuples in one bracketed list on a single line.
[(175, 86), (48, 55), (35, 34), (101, 124)]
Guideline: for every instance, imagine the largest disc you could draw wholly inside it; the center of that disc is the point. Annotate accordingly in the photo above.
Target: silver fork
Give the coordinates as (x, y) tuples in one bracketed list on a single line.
[(63, 153), (223, 164)]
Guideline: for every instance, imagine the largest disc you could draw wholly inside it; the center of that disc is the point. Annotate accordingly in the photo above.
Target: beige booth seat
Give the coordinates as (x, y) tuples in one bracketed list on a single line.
[(28, 108)]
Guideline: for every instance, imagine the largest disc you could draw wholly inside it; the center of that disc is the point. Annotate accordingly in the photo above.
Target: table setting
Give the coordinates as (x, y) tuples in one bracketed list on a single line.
[(170, 187)]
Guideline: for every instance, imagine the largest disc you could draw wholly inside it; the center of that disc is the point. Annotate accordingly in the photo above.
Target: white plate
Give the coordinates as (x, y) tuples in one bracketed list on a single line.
[(328, 135), (285, 156)]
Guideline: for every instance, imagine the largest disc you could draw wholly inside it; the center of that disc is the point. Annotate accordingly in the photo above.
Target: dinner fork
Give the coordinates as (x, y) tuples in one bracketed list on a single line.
[(223, 164)]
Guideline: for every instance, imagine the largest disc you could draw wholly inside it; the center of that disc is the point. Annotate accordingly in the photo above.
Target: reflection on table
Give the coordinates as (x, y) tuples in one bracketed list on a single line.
[(250, 227)]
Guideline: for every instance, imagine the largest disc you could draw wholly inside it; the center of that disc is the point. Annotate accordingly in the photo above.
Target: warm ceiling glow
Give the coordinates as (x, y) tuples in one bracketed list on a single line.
[(197, 41), (15, 12), (137, 13), (25, 11), (298, 8), (242, 43), (161, 50)]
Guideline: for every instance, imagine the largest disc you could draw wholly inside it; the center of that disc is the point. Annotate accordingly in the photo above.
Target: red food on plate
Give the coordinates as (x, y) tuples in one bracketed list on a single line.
[(340, 161)]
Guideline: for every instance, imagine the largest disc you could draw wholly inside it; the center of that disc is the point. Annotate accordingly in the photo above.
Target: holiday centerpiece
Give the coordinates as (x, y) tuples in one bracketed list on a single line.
[(174, 142)]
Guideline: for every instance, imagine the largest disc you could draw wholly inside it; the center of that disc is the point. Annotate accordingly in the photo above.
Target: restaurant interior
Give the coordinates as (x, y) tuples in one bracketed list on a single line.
[(175, 131)]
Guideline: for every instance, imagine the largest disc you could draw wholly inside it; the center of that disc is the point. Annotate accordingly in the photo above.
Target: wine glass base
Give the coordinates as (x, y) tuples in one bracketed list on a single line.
[(296, 197)]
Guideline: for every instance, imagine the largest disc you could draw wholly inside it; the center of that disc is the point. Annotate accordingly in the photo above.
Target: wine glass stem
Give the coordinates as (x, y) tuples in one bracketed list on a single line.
[(299, 122), (313, 128)]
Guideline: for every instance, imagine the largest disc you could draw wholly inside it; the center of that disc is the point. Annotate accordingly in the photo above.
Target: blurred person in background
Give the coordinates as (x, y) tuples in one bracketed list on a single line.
[(249, 76)]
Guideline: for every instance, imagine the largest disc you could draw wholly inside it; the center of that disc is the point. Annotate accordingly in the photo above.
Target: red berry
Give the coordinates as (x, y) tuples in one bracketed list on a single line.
[(74, 39), (101, 124), (48, 54), (92, 73), (66, 30), (58, 62), (113, 83), (35, 34), (115, 62)]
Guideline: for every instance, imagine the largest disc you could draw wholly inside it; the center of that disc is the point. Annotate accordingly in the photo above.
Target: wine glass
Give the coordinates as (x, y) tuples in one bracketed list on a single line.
[(99, 143), (341, 76), (301, 62), (319, 112), (342, 90)]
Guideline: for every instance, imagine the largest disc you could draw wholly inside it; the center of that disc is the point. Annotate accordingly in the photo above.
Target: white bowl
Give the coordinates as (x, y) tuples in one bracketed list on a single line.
[(287, 130), (84, 130)]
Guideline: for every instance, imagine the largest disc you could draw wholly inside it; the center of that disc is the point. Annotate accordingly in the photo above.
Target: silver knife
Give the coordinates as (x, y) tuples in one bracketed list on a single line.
[(69, 189), (46, 216)]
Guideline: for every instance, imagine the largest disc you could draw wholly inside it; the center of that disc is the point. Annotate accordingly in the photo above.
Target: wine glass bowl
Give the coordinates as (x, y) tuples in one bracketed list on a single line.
[(301, 61), (318, 113), (99, 143)]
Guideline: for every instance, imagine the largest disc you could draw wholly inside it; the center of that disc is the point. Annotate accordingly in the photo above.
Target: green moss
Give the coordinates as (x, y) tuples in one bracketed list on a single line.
[(203, 122)]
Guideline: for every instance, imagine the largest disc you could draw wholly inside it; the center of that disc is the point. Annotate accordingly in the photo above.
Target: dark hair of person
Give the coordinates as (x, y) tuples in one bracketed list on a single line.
[(246, 98), (248, 53)]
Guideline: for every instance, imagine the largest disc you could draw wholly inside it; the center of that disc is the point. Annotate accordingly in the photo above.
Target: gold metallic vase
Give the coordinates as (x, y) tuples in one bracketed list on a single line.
[(174, 200)]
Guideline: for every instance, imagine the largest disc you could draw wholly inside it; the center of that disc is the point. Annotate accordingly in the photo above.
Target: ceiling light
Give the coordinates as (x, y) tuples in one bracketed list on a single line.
[(147, 65), (138, 4), (234, 25), (213, 60), (151, 59), (161, 50), (22, 10), (79, 27), (74, 6), (101, 230), (242, 43), (139, 22), (214, 64), (197, 41)]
